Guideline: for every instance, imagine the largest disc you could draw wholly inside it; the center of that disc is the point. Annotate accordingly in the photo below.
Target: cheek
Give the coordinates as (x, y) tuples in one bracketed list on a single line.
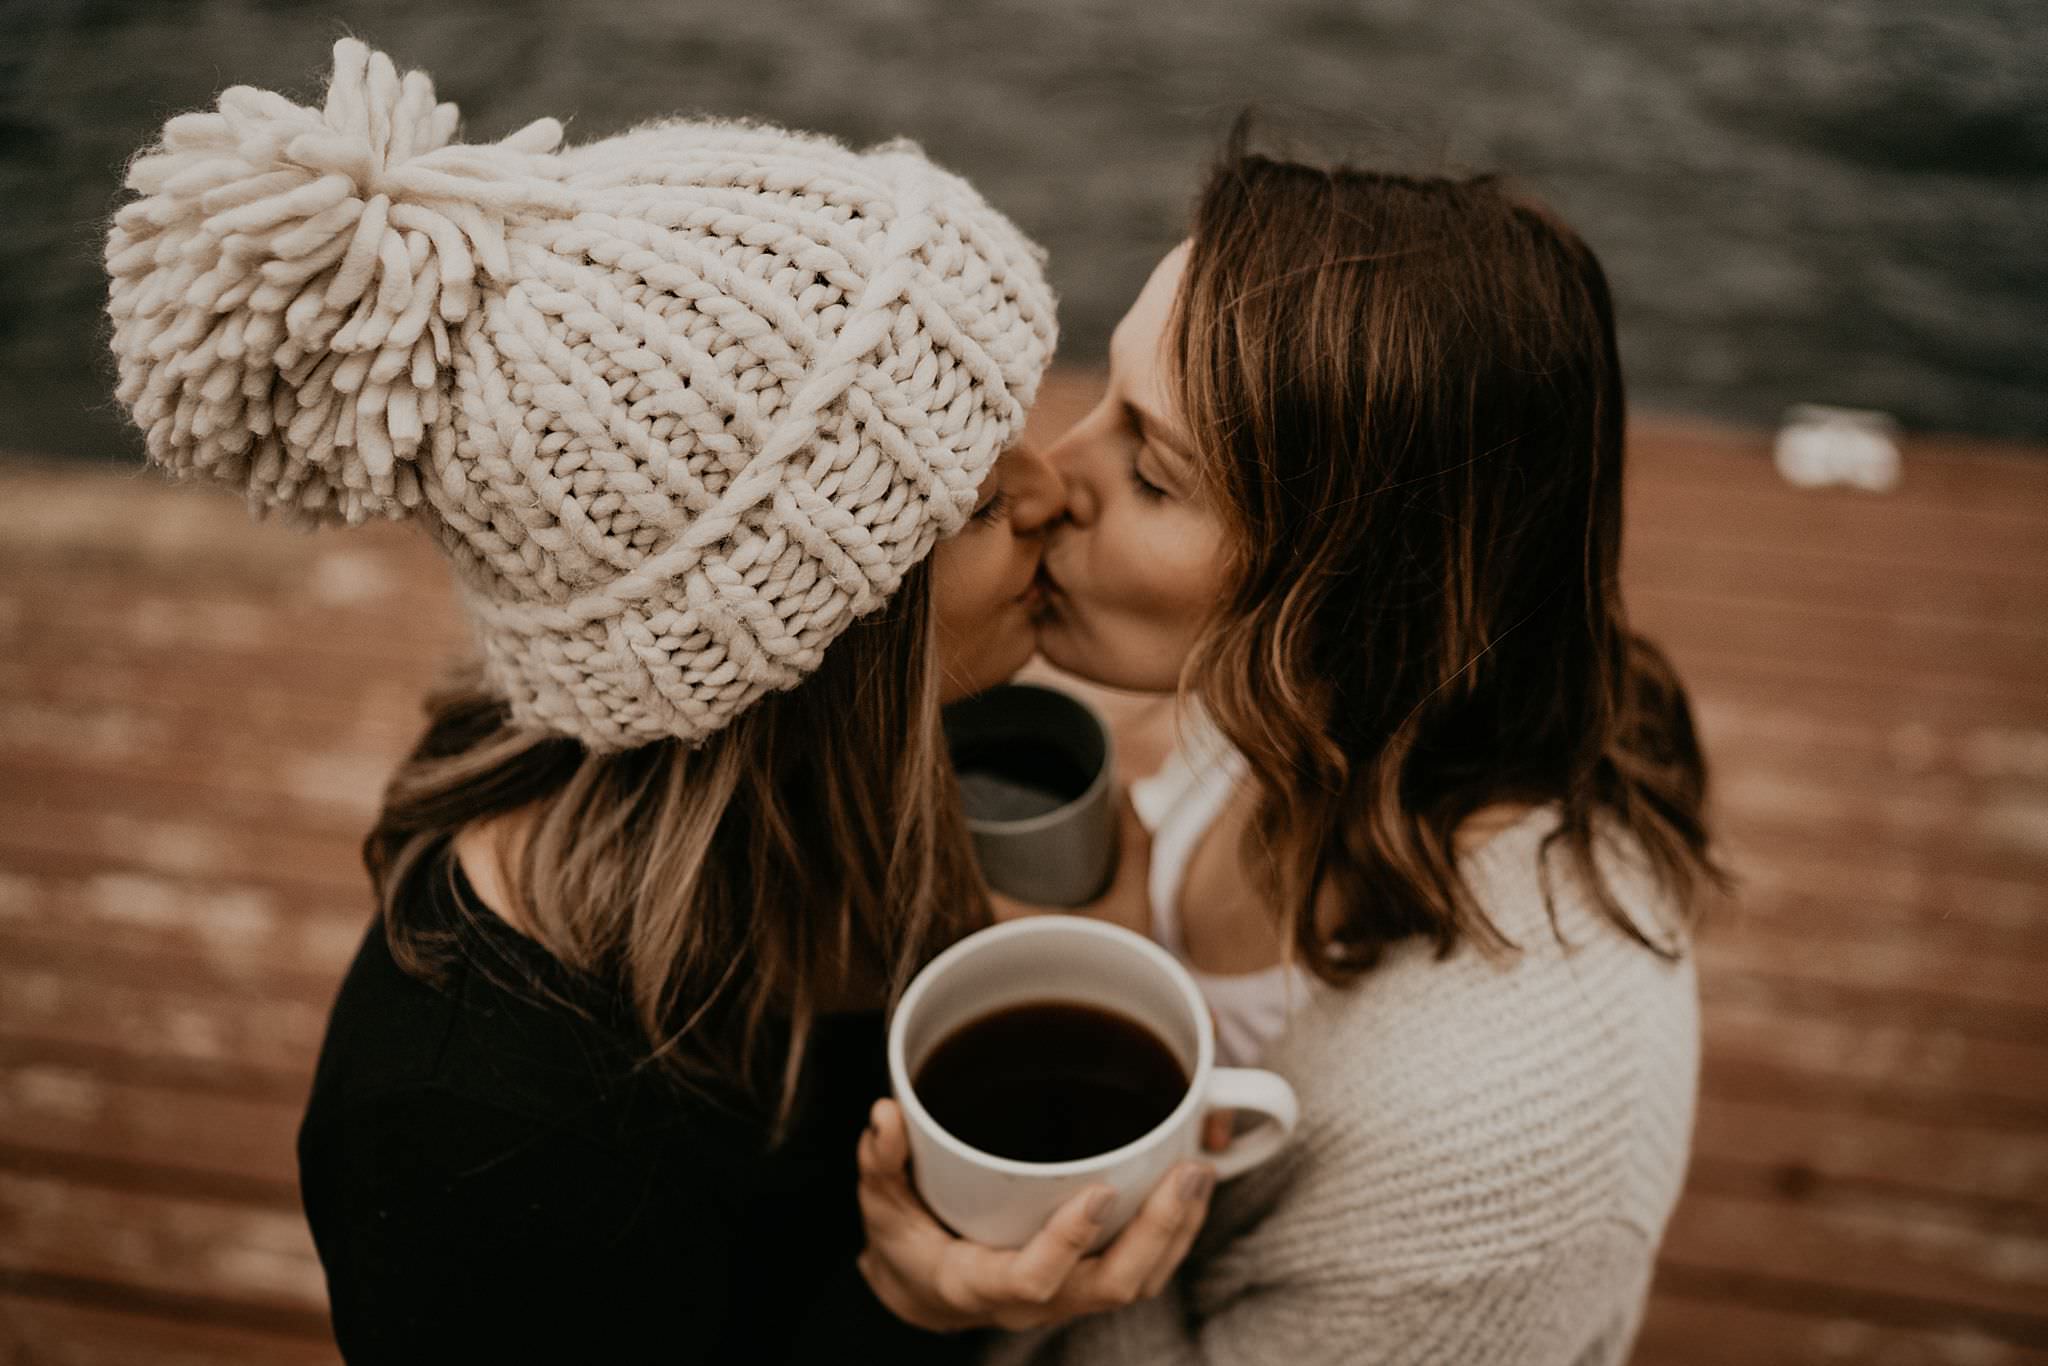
[(967, 576), (984, 634), (1137, 595), (1164, 572)]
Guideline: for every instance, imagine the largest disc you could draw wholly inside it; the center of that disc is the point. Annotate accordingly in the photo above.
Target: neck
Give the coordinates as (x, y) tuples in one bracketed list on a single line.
[(487, 851)]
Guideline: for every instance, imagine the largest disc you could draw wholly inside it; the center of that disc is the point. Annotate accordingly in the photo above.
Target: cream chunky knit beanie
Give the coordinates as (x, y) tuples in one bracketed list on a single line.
[(680, 404)]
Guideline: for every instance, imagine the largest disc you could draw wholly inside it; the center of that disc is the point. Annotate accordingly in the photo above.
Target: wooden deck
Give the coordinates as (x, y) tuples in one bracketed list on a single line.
[(196, 715)]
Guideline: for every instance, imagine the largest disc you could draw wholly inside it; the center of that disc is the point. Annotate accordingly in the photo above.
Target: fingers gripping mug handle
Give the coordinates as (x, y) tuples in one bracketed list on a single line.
[(1263, 1093)]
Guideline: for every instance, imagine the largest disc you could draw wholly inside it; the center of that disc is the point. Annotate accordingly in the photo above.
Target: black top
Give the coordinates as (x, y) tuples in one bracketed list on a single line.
[(490, 1176)]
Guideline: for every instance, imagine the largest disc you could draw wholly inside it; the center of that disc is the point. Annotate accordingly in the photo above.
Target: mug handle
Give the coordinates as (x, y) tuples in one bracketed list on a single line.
[(1261, 1092)]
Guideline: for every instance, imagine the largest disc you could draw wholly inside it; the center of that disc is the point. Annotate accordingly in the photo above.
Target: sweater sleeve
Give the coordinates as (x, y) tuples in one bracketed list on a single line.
[(1567, 1302)]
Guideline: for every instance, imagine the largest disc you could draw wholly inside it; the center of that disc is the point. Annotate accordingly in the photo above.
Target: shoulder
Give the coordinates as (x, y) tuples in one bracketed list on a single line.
[(427, 1144), (477, 1016), (465, 1093), (1482, 1107), (1570, 983)]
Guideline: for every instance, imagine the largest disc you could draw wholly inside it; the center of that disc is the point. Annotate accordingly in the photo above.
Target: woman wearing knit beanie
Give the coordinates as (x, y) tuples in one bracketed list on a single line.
[(690, 410), (1430, 833)]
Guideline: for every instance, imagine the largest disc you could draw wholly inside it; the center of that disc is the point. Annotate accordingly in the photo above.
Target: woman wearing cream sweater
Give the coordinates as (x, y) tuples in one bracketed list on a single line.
[(1431, 829)]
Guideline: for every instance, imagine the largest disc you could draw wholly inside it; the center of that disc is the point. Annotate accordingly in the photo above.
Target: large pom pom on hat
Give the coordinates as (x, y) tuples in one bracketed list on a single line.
[(680, 404), (282, 294)]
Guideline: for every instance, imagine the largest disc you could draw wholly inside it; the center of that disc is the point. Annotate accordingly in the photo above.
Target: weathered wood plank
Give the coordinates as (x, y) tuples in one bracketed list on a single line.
[(43, 1331), (1866, 1246), (35, 835), (1729, 1074), (1910, 533), (1798, 1146), (231, 976), (318, 792), (219, 931), (1743, 568), (209, 1076), (1906, 703), (1962, 472), (160, 627), (1921, 1059), (1794, 998), (1885, 836), (1691, 1330), (69, 1112), (1919, 655), (1807, 865), (236, 1254), (1963, 760), (1866, 970), (51, 709), (195, 1027)]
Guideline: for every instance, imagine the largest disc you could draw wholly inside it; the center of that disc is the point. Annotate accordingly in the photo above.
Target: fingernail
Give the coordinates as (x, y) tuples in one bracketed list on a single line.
[(1097, 1208), (1195, 1183)]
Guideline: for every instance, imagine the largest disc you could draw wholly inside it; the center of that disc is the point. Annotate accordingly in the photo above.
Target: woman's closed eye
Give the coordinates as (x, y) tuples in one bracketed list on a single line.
[(1143, 441), (994, 510), (1145, 487)]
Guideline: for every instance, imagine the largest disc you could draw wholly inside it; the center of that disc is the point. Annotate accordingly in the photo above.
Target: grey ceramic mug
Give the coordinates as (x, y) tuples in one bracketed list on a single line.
[(1038, 782)]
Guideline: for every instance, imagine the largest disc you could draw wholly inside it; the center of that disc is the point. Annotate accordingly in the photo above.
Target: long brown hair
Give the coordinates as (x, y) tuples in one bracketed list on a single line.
[(1405, 394), (720, 895)]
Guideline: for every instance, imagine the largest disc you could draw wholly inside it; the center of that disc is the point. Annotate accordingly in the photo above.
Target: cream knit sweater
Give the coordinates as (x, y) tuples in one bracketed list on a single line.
[(1487, 1155)]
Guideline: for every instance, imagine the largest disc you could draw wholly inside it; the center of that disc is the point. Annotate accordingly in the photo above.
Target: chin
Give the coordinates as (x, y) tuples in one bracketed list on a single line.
[(1098, 666), (1059, 652), (1006, 666), (995, 664)]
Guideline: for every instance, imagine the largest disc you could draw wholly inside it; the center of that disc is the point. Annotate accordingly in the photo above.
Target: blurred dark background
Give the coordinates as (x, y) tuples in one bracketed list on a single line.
[(1838, 202)]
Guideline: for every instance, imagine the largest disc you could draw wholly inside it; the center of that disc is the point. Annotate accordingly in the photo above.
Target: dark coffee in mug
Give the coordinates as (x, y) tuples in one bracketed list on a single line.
[(1050, 1081)]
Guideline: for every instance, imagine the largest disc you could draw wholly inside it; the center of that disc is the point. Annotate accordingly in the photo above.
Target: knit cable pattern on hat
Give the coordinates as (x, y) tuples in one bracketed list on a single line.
[(680, 404)]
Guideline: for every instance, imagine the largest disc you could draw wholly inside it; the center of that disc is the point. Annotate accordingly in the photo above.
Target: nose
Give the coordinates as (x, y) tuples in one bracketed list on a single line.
[(1065, 457), (1038, 495)]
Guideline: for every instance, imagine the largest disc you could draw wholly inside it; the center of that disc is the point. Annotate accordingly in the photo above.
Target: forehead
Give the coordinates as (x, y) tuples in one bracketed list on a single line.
[(1139, 342)]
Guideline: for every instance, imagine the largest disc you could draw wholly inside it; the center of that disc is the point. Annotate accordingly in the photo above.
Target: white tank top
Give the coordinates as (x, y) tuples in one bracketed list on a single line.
[(1178, 804)]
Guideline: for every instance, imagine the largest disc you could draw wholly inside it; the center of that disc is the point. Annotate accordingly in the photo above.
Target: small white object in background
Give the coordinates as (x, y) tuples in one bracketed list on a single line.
[(1819, 446)]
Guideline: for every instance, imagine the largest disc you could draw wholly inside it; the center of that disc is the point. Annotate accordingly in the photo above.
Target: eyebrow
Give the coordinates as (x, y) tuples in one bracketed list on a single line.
[(1151, 424)]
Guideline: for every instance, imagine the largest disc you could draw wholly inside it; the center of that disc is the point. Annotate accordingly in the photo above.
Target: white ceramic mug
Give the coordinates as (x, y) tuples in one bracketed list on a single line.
[(1000, 1202)]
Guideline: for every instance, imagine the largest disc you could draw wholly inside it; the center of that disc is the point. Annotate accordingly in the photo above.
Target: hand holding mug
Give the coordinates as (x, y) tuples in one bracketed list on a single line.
[(928, 1277)]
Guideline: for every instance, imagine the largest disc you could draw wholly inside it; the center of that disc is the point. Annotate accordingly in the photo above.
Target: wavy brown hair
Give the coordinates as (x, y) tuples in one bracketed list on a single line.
[(1405, 395), (720, 896)]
